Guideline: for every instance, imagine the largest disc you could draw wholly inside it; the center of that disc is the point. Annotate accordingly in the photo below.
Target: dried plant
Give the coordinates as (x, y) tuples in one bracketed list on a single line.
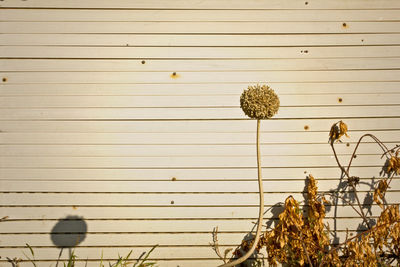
[(299, 238), (258, 102), (302, 238), (72, 260)]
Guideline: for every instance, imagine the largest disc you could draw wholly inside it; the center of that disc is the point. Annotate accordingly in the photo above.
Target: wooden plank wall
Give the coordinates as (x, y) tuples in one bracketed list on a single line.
[(126, 113)]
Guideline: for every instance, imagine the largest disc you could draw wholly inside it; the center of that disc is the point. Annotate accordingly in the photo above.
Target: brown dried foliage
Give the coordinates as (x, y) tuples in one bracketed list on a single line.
[(394, 164), (379, 193), (337, 131), (301, 238), (378, 246)]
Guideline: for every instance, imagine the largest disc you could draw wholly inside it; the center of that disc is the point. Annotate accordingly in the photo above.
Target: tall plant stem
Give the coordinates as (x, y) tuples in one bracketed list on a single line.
[(261, 207)]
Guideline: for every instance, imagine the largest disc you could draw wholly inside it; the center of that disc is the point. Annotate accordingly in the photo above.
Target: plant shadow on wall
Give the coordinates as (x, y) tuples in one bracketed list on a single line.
[(71, 231), (68, 233), (301, 236)]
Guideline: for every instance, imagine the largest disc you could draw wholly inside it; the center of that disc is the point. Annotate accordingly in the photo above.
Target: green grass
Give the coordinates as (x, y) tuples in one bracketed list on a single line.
[(142, 261)]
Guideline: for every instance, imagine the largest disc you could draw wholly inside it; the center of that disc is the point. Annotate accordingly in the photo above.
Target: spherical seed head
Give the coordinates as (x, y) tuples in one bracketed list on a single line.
[(259, 102)]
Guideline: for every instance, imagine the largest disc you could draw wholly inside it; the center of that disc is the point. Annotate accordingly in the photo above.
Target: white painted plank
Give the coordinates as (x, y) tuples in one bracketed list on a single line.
[(180, 161), (189, 101), (51, 65), (202, 77), (95, 253), (226, 151), (243, 27), (333, 112), (207, 4), (111, 253), (227, 40), (176, 186), (154, 212), (196, 15), (137, 239), (139, 199), (197, 52), (232, 126), (210, 89), (161, 262), (167, 174), (184, 138), (79, 200), (160, 226)]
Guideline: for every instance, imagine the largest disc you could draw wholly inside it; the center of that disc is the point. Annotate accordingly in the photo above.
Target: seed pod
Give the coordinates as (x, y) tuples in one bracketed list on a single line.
[(259, 102)]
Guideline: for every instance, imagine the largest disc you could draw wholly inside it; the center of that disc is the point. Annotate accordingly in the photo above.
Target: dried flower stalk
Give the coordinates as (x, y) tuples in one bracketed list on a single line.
[(258, 102)]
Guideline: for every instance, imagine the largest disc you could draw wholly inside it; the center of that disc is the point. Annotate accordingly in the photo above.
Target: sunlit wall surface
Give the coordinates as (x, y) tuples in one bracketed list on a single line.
[(121, 127)]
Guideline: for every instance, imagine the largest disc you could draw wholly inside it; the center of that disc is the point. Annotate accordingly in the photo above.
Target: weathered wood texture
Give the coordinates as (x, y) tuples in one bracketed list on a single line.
[(126, 113)]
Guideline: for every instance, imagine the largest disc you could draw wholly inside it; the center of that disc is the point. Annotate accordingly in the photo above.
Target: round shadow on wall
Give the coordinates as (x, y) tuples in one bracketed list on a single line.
[(69, 232)]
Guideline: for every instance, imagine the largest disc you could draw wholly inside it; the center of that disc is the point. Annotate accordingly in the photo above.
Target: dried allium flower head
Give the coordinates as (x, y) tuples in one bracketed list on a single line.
[(259, 102)]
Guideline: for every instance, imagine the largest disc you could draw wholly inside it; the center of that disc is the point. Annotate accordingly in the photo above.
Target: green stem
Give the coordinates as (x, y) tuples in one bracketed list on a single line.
[(261, 207)]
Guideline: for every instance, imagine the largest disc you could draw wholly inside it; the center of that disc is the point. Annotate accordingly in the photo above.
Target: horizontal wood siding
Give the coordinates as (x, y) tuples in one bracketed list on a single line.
[(126, 114)]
